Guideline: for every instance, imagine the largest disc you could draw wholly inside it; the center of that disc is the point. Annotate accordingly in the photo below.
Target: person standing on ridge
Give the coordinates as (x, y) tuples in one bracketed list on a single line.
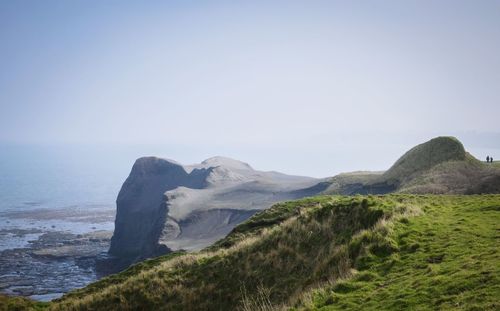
[(487, 159), (491, 159)]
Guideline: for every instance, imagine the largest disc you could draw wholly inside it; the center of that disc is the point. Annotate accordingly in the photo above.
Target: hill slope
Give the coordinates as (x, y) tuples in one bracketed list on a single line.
[(390, 252), (424, 157), (439, 166)]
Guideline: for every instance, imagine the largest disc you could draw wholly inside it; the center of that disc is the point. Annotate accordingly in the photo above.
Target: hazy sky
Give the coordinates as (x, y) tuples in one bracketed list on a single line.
[(305, 87)]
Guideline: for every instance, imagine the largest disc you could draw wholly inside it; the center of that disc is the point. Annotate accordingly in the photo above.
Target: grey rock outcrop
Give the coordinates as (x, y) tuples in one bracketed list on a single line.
[(164, 206)]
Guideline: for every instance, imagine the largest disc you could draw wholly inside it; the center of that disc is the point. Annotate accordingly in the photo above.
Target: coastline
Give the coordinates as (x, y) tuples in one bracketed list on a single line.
[(46, 252)]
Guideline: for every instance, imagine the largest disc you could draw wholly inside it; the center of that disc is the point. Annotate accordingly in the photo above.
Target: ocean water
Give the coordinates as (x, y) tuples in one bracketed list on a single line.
[(49, 194), (57, 188), (33, 176)]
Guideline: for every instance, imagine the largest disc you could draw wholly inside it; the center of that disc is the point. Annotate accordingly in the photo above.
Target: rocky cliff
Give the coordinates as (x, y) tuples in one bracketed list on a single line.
[(164, 205)]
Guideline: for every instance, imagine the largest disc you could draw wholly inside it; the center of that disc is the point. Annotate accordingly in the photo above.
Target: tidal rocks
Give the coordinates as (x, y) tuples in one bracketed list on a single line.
[(53, 264)]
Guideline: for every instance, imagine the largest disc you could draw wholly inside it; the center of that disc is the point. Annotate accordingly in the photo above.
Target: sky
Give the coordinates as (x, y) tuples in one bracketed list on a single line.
[(304, 87)]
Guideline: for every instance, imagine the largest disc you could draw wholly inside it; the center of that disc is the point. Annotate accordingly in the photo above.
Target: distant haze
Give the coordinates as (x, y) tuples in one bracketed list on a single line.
[(303, 87)]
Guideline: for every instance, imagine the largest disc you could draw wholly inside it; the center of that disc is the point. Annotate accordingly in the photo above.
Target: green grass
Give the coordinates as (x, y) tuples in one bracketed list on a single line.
[(452, 177), (268, 218), (448, 259), (423, 157), (20, 304), (495, 164), (393, 252)]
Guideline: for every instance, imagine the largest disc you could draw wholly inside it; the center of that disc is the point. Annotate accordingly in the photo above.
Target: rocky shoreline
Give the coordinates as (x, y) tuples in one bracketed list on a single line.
[(53, 264)]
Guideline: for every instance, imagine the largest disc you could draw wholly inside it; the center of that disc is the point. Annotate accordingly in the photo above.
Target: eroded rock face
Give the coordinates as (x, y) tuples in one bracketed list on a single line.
[(204, 227), (141, 208), (164, 205)]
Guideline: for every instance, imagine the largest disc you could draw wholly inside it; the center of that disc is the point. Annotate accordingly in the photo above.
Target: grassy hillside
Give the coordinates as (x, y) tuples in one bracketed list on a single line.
[(439, 166), (469, 176), (289, 247), (20, 304), (424, 157), (325, 253), (495, 164), (447, 259)]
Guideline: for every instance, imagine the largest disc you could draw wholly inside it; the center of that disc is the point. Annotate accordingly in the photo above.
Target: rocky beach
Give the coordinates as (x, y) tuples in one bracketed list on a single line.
[(46, 252)]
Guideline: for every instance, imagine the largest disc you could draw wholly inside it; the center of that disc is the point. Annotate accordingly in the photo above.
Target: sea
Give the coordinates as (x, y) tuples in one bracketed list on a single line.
[(46, 179), (53, 196)]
